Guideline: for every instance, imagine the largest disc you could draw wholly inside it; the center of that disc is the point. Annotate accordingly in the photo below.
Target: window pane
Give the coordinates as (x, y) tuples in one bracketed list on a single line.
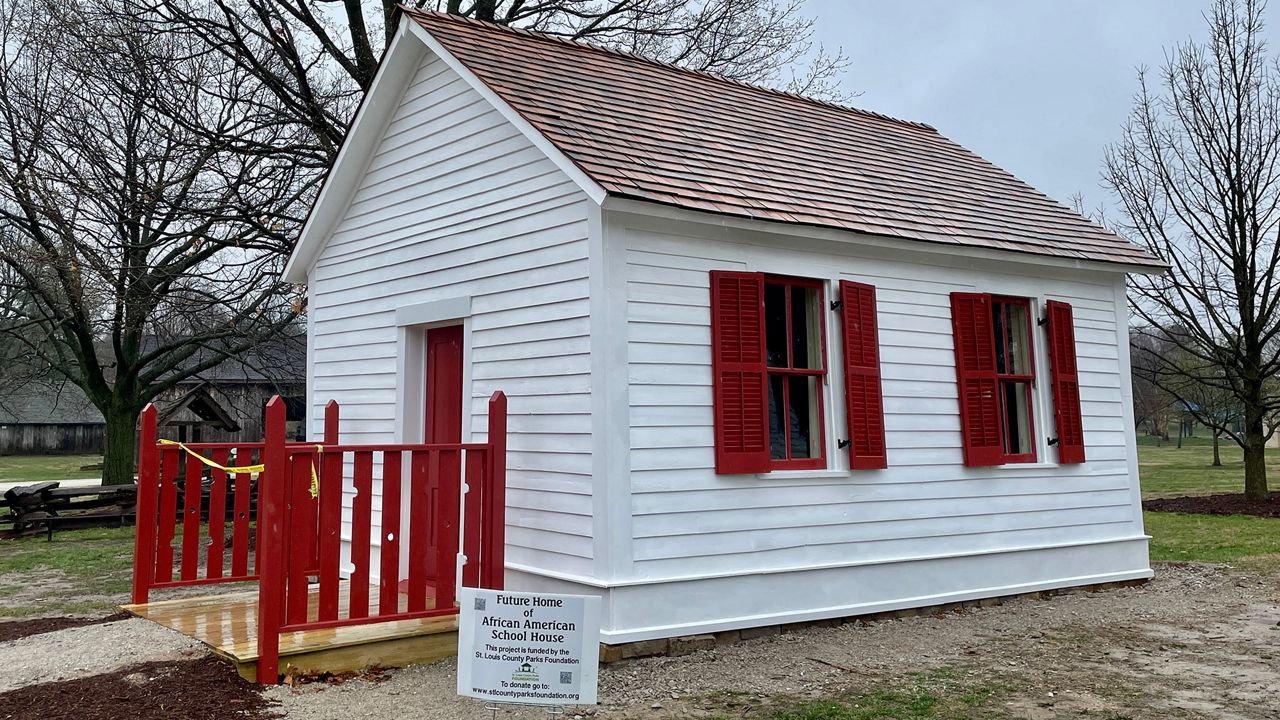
[(806, 334), (775, 324), (998, 325), (777, 405), (1017, 412), (803, 411), (1011, 326), (1019, 340)]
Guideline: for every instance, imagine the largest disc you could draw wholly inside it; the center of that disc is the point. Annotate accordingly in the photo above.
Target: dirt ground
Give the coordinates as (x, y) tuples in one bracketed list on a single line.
[(1199, 641)]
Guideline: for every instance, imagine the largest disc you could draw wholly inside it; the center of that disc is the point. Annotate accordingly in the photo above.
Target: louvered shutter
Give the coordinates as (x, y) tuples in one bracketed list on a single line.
[(738, 366), (1066, 382), (976, 376), (864, 407)]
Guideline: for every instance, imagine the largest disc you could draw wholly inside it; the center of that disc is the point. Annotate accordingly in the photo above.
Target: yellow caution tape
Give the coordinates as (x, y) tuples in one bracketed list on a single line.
[(315, 478), (238, 469)]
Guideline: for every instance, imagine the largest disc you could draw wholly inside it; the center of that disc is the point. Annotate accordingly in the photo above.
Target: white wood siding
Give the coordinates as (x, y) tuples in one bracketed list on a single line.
[(455, 203), (690, 522)]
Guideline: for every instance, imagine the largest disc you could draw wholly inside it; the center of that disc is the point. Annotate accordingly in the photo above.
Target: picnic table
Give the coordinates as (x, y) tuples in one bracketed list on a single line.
[(41, 507), (31, 509)]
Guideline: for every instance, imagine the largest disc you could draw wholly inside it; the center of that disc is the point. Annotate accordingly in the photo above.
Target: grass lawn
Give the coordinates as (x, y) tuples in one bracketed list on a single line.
[(40, 468), (81, 571), (1170, 471), (1249, 542)]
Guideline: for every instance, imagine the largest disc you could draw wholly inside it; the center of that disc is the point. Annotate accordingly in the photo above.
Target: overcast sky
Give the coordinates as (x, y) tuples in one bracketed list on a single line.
[(1039, 87)]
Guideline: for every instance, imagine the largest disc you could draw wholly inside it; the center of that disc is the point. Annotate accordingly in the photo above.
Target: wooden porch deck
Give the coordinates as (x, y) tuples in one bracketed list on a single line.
[(227, 623)]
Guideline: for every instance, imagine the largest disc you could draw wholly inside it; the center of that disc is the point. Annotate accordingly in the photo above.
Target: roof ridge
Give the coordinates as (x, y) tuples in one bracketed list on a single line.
[(461, 19)]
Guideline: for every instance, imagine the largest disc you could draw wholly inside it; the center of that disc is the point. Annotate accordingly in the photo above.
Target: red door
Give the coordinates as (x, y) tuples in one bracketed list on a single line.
[(444, 385), (443, 421)]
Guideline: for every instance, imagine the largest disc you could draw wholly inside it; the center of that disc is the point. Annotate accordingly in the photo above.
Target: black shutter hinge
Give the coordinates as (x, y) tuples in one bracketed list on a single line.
[(1053, 441), (1043, 321), (842, 444), (837, 304)]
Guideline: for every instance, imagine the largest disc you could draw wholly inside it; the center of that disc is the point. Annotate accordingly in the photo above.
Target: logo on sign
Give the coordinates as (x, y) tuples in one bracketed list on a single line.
[(525, 673)]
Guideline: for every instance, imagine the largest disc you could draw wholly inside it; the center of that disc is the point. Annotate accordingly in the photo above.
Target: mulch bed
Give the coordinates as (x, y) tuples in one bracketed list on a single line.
[(203, 689), (14, 629), (1226, 504)]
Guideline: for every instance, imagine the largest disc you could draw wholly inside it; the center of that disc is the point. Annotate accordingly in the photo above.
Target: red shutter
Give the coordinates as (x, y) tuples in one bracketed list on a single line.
[(738, 369), (863, 405), (1066, 382), (976, 376)]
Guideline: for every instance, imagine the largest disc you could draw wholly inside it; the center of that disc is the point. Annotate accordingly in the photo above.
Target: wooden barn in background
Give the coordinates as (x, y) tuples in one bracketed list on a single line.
[(44, 419), (222, 404)]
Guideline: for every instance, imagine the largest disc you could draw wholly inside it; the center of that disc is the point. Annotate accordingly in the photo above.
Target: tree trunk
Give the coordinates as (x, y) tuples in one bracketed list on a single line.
[(1255, 456), (1217, 458), (121, 439)]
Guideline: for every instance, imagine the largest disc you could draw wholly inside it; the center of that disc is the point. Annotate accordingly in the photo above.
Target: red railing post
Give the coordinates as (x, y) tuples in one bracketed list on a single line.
[(329, 544), (331, 423), (273, 487), (361, 527), (313, 504), (448, 524), (495, 496), (144, 522), (389, 549)]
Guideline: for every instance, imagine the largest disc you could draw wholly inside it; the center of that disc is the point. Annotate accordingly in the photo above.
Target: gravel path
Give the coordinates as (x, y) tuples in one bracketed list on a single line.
[(88, 650), (1198, 642)]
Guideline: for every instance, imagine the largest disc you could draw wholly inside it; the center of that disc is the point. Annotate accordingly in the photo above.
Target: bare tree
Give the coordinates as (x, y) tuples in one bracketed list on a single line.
[(140, 244), (1197, 173), (318, 59), (1151, 402), (1202, 395)]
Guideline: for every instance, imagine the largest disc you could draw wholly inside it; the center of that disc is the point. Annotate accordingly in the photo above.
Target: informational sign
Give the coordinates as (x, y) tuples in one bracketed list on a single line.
[(534, 648)]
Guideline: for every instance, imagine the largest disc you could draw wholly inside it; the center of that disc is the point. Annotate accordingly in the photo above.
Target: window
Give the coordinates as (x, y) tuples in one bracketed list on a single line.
[(795, 350), (1015, 374), (995, 370), (768, 366)]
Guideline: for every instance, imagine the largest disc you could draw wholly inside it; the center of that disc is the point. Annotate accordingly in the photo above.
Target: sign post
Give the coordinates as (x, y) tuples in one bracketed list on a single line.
[(528, 648)]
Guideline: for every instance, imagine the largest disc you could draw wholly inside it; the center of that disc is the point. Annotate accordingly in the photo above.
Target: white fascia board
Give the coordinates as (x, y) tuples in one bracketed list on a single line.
[(771, 227), (401, 61), (540, 141)]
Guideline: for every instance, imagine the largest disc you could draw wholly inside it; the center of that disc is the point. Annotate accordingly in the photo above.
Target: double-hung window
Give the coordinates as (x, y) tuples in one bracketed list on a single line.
[(795, 361), (1015, 375), (995, 369), (769, 367)]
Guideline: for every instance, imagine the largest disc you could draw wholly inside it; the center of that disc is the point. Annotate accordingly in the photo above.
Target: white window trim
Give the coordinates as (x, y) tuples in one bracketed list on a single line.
[(412, 322), (837, 458)]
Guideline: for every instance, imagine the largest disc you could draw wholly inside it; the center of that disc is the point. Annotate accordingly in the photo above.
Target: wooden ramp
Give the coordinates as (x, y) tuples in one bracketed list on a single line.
[(227, 623)]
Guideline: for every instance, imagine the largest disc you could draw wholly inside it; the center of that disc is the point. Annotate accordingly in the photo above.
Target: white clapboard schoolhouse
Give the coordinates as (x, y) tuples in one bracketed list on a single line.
[(768, 359)]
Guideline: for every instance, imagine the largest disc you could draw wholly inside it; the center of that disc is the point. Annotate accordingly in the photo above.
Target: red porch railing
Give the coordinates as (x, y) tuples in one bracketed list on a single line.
[(448, 518)]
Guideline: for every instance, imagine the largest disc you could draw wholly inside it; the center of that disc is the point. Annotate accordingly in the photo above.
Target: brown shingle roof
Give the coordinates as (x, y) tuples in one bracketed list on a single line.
[(658, 133)]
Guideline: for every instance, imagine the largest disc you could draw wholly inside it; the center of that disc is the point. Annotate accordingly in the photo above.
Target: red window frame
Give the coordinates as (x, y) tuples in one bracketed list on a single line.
[(819, 462), (1006, 380)]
